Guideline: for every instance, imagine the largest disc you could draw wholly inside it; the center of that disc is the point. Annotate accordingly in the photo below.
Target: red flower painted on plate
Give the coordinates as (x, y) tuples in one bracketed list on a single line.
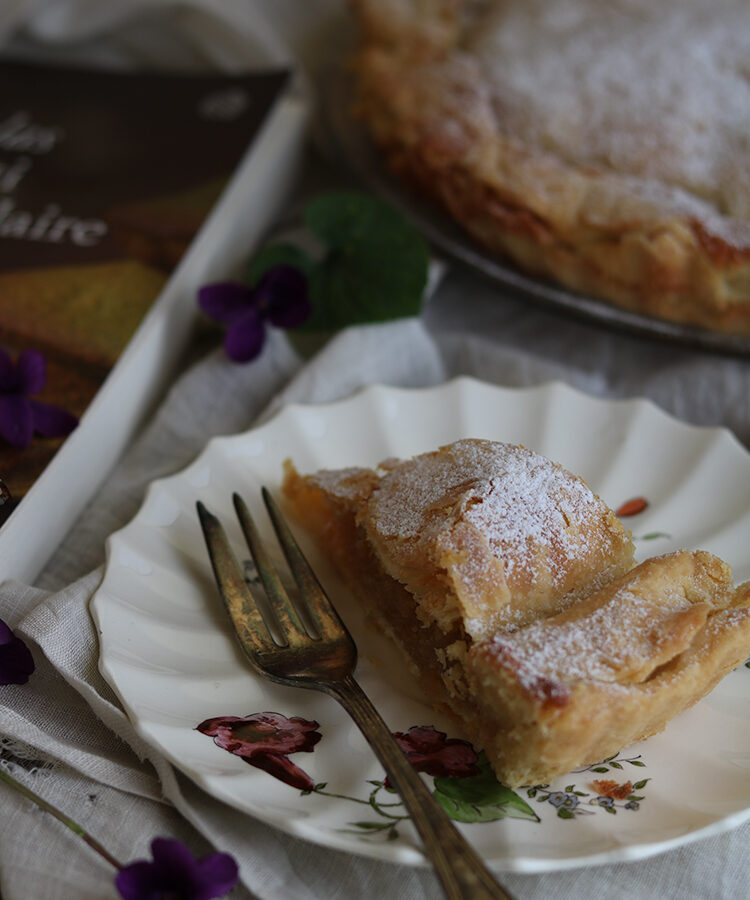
[(265, 740), (613, 789), (632, 507), (430, 751)]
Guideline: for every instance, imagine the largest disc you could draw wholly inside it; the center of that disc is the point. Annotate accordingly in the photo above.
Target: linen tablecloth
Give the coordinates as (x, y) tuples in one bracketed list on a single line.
[(64, 733)]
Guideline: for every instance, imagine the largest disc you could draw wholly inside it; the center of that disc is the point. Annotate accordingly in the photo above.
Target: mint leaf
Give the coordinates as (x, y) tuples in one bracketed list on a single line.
[(376, 263), (480, 798), (276, 255)]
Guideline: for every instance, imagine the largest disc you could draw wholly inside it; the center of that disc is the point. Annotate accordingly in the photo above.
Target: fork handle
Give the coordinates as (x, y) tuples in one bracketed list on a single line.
[(461, 871)]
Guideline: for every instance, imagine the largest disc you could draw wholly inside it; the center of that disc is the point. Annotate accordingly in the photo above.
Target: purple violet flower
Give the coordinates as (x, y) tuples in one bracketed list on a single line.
[(175, 874), (16, 661), (20, 416), (280, 297)]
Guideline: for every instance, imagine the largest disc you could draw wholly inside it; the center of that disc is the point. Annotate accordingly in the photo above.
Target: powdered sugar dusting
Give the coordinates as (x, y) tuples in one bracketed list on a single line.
[(339, 482), (654, 90), (520, 501), (589, 648), (614, 642)]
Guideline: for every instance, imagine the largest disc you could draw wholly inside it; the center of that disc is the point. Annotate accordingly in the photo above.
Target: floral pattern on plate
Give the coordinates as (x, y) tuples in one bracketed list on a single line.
[(464, 784)]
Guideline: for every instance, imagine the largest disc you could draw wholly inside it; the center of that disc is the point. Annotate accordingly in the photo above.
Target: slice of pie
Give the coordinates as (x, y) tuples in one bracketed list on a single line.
[(599, 145), (511, 589)]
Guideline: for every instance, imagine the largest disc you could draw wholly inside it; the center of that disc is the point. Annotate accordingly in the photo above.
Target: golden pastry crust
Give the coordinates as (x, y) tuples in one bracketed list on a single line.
[(510, 587), (602, 146), (482, 534), (575, 688)]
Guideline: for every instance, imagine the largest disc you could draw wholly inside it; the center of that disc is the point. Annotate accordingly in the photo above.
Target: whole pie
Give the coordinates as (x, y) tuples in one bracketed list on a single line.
[(512, 591), (603, 146)]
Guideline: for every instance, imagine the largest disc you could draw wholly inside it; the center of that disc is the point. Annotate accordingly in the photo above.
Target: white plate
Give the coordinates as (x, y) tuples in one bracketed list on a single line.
[(171, 657)]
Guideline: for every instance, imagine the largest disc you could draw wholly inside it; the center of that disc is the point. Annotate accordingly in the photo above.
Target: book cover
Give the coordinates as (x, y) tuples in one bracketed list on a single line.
[(105, 179)]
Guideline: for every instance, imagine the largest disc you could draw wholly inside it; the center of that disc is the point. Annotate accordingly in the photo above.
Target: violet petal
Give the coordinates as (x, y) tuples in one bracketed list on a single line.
[(245, 337), (52, 421), (170, 874), (8, 381), (291, 312), (32, 372), (169, 853), (174, 872), (16, 662), (225, 301), (218, 874), (6, 634), (16, 420), (136, 881), (282, 294)]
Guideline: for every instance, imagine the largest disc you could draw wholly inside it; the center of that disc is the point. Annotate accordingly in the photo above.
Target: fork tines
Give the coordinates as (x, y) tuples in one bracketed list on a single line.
[(243, 608)]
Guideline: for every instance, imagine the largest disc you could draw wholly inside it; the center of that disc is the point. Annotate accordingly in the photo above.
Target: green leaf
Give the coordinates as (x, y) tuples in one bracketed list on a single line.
[(600, 769), (480, 798), (375, 268), (563, 813), (277, 255), (641, 784), (616, 765), (637, 762)]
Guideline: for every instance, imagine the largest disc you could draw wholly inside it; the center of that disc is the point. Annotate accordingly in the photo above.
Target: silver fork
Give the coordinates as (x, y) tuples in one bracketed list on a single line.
[(325, 661)]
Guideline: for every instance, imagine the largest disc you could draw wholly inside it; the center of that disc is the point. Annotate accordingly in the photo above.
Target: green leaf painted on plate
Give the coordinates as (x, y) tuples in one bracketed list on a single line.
[(480, 798), (654, 535)]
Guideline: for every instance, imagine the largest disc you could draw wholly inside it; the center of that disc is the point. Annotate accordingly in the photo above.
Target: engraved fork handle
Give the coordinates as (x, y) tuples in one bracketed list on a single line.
[(461, 871)]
